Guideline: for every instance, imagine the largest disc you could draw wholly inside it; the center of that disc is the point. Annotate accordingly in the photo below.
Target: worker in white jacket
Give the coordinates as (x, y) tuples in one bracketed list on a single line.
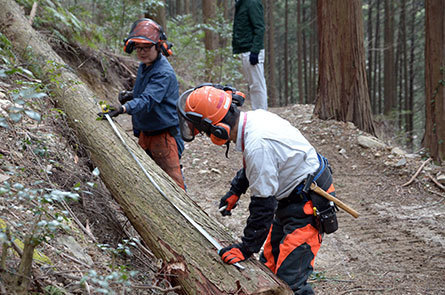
[(279, 164)]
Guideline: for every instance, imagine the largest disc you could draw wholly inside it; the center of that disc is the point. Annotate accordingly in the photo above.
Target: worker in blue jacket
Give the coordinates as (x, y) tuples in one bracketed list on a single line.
[(152, 103)]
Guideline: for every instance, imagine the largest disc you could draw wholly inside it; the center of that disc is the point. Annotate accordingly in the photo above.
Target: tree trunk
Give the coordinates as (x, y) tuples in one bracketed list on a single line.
[(270, 53), (370, 52), (299, 53), (190, 257), (376, 98), (412, 74), (305, 57), (210, 39), (286, 53), (343, 90), (434, 138), (158, 15), (389, 84)]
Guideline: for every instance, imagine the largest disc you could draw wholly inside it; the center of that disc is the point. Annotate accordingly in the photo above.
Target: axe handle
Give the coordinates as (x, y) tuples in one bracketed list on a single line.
[(339, 203)]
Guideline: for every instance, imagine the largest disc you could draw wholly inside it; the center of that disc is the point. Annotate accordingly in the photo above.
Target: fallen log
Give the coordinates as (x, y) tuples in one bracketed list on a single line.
[(187, 254)]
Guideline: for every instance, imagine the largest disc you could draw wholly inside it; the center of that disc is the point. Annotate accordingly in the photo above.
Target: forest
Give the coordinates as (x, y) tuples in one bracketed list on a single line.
[(78, 216)]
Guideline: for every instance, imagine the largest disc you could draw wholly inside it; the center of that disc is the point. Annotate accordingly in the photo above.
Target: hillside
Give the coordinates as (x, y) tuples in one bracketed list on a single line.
[(395, 246)]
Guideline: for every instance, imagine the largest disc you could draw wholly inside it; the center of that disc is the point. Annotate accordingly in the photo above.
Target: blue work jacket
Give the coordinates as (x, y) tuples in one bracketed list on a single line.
[(155, 93)]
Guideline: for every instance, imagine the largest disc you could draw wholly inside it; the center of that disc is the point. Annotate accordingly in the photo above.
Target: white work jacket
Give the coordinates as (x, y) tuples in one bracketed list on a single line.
[(277, 156)]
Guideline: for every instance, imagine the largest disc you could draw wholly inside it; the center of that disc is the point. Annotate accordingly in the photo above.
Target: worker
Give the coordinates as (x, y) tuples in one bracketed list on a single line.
[(279, 164), (152, 103), (248, 42)]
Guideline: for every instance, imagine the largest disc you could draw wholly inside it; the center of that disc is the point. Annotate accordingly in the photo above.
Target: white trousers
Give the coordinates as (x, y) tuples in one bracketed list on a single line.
[(255, 79)]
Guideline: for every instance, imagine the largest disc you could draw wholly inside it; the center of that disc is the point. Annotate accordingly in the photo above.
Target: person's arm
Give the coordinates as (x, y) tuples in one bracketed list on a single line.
[(262, 173)]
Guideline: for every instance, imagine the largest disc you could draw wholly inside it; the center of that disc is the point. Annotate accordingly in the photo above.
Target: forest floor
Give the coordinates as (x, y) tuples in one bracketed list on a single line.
[(396, 246)]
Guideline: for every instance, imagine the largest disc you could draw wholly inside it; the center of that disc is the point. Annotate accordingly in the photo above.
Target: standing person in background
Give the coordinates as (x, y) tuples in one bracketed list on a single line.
[(152, 103), (248, 41)]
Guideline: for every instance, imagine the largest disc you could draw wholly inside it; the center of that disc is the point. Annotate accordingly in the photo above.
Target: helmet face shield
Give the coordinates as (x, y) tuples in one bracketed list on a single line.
[(142, 31), (186, 126)]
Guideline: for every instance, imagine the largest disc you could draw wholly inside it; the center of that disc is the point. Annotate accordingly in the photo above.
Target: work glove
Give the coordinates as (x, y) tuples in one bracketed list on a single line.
[(227, 203), (234, 253), (113, 111), (125, 96), (253, 58)]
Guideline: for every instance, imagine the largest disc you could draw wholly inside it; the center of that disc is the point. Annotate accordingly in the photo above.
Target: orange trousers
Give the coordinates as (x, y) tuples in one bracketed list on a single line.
[(162, 148), (291, 246)]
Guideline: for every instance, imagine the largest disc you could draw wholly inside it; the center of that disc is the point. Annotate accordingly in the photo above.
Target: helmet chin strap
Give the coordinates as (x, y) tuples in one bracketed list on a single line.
[(227, 150)]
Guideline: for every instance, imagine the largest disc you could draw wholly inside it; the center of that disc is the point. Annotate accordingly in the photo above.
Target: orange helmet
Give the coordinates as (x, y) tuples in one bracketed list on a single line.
[(202, 110), (146, 30)]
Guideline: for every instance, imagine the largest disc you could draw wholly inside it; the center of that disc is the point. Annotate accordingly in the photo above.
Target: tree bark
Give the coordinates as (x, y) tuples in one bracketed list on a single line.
[(299, 53), (187, 254), (343, 90), (158, 15), (210, 39), (270, 53), (389, 83), (434, 138), (286, 53)]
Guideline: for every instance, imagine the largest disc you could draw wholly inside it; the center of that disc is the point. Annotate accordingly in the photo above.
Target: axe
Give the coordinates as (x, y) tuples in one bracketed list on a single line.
[(313, 186), (339, 203)]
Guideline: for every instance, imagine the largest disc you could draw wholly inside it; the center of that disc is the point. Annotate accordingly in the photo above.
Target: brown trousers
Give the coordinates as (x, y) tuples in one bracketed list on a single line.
[(162, 148)]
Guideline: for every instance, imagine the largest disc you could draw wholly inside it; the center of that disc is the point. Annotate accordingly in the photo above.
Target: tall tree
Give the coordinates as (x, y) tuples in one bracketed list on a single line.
[(411, 75), (434, 138), (286, 52), (270, 53), (343, 91), (299, 53), (156, 11), (210, 38), (376, 84), (390, 83)]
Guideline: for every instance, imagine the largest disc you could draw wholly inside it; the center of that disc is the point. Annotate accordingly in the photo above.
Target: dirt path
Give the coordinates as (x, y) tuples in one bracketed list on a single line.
[(396, 246)]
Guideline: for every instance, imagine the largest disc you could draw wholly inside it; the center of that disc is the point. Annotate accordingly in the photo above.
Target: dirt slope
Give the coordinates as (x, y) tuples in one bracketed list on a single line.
[(396, 246)]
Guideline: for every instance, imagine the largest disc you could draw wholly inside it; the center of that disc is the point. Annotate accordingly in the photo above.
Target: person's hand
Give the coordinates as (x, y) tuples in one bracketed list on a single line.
[(125, 96), (234, 253), (253, 58), (113, 111), (227, 203)]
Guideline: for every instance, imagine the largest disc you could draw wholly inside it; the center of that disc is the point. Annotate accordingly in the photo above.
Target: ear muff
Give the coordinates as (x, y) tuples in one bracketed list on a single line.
[(129, 46), (220, 133), (165, 47)]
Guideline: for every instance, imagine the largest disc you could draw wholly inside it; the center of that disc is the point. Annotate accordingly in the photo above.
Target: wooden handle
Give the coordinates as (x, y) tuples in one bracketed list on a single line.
[(339, 203)]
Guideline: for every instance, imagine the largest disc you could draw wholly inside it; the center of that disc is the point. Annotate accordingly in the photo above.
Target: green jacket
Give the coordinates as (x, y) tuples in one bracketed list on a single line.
[(248, 27)]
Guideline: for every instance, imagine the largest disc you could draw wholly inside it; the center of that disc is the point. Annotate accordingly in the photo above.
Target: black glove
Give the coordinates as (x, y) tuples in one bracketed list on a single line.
[(228, 202), (253, 58), (125, 96), (234, 253), (114, 111)]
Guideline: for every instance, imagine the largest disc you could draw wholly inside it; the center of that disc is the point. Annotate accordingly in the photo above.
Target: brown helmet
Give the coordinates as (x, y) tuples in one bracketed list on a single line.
[(148, 31)]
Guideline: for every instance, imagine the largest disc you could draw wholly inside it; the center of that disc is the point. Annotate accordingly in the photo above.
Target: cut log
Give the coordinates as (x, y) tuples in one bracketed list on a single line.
[(168, 234)]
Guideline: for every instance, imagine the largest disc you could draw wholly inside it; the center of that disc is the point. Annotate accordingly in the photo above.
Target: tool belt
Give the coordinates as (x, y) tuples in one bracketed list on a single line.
[(324, 210)]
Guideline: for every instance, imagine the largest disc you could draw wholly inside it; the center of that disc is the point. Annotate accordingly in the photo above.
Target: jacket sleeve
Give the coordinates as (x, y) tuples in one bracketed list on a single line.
[(257, 20), (239, 183), (262, 211), (154, 92)]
